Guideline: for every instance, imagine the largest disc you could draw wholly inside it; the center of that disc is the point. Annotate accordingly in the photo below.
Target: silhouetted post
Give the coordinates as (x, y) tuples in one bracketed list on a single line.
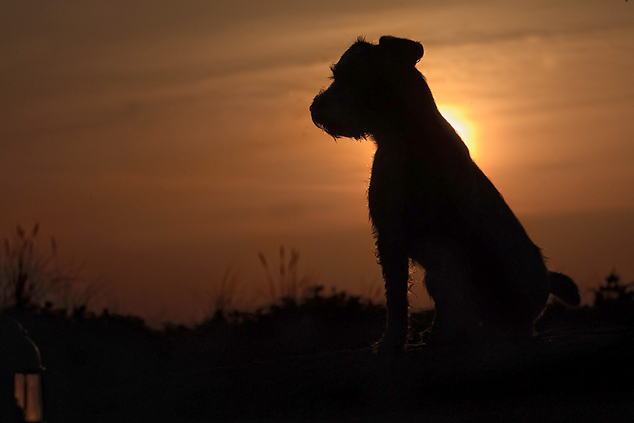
[(20, 375)]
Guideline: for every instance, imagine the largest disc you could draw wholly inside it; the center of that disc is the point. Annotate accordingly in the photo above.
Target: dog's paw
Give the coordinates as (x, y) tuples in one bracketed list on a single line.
[(391, 343)]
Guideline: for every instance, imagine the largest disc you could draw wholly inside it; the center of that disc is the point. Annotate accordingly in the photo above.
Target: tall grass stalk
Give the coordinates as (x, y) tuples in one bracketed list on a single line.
[(288, 283), (29, 276), (222, 295)]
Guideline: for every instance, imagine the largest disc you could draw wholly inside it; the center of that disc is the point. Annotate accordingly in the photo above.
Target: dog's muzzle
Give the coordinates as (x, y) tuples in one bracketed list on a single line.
[(317, 112)]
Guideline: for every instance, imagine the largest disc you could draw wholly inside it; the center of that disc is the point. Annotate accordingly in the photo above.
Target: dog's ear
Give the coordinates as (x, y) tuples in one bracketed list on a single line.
[(401, 51)]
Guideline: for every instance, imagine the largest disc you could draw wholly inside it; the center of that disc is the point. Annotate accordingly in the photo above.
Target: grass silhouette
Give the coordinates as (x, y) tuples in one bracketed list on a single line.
[(222, 296), (305, 355), (28, 276), (288, 283)]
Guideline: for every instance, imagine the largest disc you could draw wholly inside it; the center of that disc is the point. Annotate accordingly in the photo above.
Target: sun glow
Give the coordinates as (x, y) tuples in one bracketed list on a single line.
[(462, 125)]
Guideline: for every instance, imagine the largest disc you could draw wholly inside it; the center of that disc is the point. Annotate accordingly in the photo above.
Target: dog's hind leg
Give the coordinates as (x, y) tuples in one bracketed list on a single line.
[(448, 274)]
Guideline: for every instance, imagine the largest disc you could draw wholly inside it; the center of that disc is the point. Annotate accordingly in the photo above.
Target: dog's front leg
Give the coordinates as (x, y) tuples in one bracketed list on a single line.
[(386, 198), (395, 265)]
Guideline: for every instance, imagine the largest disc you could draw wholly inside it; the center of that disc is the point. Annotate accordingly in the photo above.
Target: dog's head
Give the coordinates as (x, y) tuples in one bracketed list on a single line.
[(362, 95)]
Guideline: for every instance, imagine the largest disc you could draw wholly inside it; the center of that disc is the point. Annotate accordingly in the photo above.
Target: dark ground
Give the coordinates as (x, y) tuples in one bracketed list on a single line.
[(308, 360), (587, 377)]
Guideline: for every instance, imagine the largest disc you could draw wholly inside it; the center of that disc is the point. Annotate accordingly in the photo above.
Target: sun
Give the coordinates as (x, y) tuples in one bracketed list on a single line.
[(465, 128)]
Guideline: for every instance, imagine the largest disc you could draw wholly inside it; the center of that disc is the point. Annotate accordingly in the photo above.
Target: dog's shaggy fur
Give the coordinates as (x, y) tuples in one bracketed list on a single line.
[(430, 203)]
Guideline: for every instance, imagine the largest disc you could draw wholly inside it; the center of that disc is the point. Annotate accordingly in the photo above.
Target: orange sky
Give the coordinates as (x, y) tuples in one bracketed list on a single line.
[(164, 142)]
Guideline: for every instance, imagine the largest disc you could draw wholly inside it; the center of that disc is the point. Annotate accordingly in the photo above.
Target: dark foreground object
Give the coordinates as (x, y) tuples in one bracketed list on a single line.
[(567, 377)]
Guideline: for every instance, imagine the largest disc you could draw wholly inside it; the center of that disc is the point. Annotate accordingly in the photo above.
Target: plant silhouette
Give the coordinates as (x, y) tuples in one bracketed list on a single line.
[(288, 283), (28, 275)]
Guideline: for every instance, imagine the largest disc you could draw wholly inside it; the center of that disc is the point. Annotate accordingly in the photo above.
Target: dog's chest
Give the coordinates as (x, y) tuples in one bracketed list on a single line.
[(407, 191)]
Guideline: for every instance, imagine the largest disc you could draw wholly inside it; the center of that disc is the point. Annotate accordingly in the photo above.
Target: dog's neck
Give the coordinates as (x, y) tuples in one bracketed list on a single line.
[(416, 124)]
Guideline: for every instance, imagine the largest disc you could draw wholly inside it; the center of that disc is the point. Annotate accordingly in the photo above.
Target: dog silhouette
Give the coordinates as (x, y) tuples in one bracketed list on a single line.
[(430, 204)]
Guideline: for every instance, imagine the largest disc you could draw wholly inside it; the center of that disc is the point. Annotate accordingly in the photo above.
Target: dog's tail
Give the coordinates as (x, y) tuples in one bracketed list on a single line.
[(564, 288)]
